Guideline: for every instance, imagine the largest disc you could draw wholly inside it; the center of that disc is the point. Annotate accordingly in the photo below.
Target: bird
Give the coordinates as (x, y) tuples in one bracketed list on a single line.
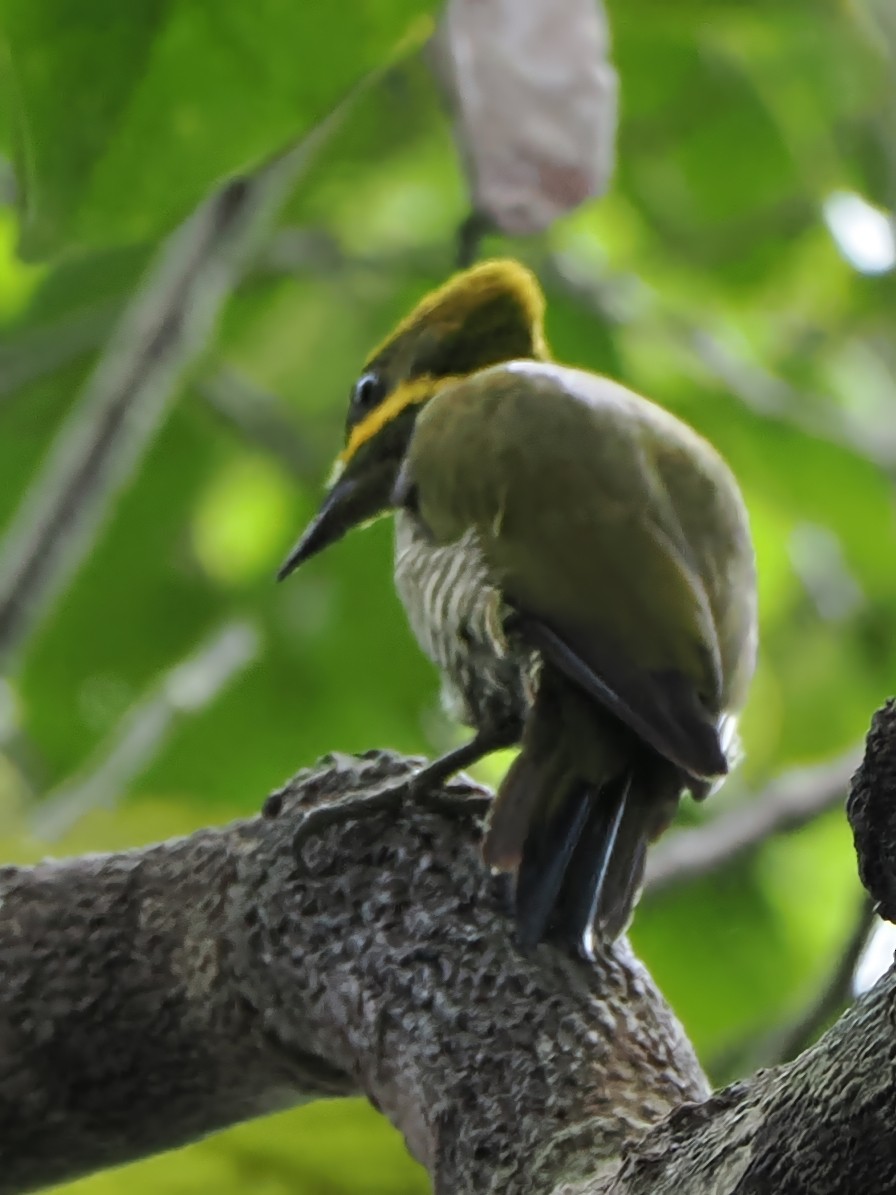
[(578, 564)]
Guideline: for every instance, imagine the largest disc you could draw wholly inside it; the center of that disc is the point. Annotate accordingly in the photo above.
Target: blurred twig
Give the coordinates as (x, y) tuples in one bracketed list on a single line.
[(753, 386), (185, 689), (33, 352), (789, 802), (313, 249), (262, 418), (9, 187), (160, 334), (789, 1041), (618, 299), (469, 238)]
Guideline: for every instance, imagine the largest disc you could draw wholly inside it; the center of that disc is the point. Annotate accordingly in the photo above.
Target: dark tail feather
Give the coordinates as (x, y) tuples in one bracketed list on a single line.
[(583, 860), (605, 871), (535, 776), (598, 878), (573, 817), (582, 864), (554, 834)]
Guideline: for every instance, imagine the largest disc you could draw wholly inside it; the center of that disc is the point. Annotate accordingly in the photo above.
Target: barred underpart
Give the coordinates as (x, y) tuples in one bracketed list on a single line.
[(456, 616)]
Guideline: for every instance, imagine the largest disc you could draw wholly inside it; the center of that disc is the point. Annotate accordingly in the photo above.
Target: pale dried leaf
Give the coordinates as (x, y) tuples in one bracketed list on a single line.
[(533, 96)]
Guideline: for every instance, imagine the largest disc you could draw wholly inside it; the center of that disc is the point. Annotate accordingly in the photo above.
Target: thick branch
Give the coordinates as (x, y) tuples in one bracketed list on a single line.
[(154, 996), (124, 1028), (822, 1125), (872, 812)]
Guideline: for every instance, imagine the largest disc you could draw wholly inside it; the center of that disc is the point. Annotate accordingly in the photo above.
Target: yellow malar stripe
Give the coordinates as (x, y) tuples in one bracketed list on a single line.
[(417, 390)]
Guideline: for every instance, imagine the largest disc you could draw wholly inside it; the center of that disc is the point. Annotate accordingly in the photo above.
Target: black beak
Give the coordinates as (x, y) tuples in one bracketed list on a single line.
[(338, 514), (360, 495)]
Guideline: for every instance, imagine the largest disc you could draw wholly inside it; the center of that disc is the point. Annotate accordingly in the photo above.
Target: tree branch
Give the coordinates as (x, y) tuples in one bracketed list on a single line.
[(788, 803), (156, 995), (823, 1124), (871, 810)]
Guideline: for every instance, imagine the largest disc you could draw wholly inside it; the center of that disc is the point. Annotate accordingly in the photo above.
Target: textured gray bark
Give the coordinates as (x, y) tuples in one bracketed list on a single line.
[(150, 997)]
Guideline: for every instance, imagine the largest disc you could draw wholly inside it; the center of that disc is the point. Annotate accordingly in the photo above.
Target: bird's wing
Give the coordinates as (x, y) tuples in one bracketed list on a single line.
[(662, 708), (612, 599), (554, 468)]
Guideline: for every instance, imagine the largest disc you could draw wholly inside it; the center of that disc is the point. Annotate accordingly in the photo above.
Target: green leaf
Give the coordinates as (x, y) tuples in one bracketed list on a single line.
[(126, 114)]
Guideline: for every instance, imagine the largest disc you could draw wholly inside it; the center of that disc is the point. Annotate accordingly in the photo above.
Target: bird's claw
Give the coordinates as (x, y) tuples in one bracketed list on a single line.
[(419, 790), (321, 817), (422, 792)]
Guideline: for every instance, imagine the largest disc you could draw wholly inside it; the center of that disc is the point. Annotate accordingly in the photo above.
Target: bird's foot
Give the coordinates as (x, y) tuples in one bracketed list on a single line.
[(427, 791), (321, 817), (424, 788)]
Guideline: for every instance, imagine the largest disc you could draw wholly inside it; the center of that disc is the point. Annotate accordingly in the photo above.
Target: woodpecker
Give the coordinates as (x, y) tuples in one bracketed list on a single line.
[(577, 562)]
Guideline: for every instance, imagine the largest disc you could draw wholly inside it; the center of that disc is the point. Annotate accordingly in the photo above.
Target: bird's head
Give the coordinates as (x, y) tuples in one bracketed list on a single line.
[(490, 313)]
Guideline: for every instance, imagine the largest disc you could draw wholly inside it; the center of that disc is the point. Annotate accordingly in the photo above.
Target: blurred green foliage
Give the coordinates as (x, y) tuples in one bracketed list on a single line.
[(708, 278)]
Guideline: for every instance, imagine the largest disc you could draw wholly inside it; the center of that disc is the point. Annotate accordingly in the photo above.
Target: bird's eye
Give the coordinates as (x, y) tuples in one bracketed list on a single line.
[(369, 391)]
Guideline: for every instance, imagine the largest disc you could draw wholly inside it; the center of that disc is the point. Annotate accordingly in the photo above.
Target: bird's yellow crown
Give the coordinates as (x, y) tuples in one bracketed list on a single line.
[(489, 313), (504, 289)]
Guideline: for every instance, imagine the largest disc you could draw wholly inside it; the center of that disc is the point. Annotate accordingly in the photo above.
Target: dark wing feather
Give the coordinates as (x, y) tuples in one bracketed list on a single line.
[(662, 708)]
